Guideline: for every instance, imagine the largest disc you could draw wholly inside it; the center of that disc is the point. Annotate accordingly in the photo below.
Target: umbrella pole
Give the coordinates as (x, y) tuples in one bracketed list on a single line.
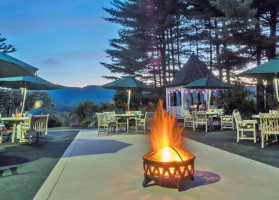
[(23, 103), (276, 88), (129, 98), (208, 97)]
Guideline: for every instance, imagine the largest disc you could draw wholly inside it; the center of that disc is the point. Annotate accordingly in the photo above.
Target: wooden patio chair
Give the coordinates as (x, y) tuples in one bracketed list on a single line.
[(200, 118), (2, 126), (227, 122), (106, 122), (114, 120), (188, 118), (37, 125), (273, 112), (244, 126), (269, 124), (144, 122)]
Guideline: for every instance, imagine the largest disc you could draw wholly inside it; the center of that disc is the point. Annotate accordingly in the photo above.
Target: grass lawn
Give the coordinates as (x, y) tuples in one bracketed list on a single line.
[(226, 140), (24, 168)]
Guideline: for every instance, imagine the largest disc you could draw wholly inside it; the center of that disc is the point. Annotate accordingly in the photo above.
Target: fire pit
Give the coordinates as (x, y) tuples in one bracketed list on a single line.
[(168, 165), (168, 174)]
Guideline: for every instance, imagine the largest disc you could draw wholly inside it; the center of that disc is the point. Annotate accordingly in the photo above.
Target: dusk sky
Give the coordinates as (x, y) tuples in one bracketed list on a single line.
[(65, 39)]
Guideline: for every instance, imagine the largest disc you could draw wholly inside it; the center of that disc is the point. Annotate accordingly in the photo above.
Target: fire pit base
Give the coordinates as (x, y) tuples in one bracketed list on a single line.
[(168, 174), (180, 184)]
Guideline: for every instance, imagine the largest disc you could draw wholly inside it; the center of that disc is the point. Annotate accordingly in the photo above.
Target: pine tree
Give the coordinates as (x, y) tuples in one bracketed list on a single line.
[(6, 48)]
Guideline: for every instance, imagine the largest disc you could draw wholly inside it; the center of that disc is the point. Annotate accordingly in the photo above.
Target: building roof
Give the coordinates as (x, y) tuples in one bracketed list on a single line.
[(193, 70)]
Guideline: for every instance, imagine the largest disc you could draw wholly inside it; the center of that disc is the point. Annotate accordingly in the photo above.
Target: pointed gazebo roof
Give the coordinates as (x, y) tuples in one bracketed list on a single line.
[(193, 70)]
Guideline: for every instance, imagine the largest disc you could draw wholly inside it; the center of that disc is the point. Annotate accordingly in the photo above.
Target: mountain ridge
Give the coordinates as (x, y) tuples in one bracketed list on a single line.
[(66, 98)]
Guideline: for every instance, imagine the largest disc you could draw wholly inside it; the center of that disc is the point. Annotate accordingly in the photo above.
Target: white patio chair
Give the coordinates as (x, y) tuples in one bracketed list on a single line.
[(37, 125), (227, 122), (114, 120), (2, 126), (244, 126), (106, 122), (200, 118), (144, 122), (269, 125), (273, 112), (188, 118)]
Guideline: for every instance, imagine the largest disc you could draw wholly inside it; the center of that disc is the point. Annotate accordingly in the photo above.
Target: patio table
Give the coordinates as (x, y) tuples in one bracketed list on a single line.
[(210, 115), (128, 116), (15, 122)]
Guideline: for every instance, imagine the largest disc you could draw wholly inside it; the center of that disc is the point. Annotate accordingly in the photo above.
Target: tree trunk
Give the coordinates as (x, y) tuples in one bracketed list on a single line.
[(172, 53), (178, 46), (154, 70), (197, 41), (260, 86), (168, 57), (210, 45), (270, 101), (163, 57), (218, 51), (159, 66)]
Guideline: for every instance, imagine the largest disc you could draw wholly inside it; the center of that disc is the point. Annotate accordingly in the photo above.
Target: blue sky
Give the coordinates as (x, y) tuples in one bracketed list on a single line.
[(65, 39)]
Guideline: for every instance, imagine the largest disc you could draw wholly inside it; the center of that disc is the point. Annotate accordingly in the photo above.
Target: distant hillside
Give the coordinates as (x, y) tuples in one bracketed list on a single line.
[(66, 98)]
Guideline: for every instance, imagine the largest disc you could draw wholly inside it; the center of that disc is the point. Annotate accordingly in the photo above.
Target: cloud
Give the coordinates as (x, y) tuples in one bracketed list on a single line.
[(51, 61)]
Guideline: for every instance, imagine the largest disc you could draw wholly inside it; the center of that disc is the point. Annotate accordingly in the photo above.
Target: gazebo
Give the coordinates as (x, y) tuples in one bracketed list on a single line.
[(193, 70)]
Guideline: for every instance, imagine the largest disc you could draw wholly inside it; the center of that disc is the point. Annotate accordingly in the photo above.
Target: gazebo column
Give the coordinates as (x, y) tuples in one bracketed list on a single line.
[(182, 99), (167, 99)]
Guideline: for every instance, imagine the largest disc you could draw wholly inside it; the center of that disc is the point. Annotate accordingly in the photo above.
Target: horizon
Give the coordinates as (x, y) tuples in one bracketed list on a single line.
[(65, 41)]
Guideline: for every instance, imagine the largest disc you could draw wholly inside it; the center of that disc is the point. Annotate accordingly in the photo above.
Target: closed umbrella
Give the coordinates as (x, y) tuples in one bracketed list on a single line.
[(208, 83), (27, 82), (11, 67), (267, 71), (127, 82)]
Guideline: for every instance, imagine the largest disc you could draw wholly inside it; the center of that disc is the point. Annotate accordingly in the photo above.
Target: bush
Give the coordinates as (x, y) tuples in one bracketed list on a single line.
[(139, 100), (54, 120), (86, 121), (241, 99)]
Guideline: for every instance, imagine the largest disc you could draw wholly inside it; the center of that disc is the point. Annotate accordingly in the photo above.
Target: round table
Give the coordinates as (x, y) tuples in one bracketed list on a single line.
[(128, 116), (15, 122)]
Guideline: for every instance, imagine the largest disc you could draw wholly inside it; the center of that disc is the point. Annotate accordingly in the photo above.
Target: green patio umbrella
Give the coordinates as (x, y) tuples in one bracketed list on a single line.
[(267, 71), (27, 83), (11, 67), (127, 82), (208, 83)]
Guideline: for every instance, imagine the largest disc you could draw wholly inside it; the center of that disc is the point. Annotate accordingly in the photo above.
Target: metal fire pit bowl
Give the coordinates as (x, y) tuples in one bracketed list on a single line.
[(169, 174)]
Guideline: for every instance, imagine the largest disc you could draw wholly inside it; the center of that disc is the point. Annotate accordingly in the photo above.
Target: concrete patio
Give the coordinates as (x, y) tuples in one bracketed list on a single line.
[(110, 167)]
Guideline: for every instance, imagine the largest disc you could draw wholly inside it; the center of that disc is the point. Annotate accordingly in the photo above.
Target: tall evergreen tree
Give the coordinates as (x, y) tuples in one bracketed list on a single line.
[(6, 48)]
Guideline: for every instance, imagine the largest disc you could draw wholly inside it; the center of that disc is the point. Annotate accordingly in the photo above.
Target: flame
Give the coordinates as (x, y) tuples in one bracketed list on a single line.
[(167, 154), (165, 133)]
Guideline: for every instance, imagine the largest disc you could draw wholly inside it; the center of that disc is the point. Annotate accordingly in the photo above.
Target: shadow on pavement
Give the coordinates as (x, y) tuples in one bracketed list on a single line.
[(202, 178), (91, 147)]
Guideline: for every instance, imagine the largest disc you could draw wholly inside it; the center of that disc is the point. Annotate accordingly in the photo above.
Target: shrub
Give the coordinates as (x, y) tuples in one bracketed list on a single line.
[(241, 99), (54, 120), (85, 122)]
